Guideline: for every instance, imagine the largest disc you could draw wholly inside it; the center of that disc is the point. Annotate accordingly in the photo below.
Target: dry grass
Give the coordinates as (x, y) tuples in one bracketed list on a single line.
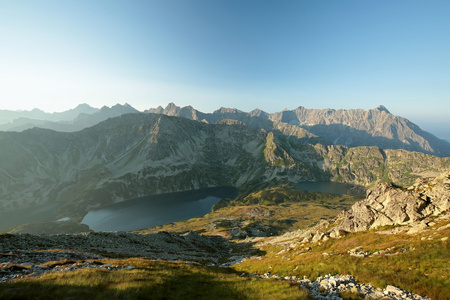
[(151, 280), (414, 264)]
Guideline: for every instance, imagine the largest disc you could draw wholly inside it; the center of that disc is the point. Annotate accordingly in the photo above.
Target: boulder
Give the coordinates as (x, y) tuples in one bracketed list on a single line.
[(388, 204)]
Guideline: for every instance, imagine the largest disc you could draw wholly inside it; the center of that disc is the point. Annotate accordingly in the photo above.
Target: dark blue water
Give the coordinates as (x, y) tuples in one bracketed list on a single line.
[(324, 187), (156, 210)]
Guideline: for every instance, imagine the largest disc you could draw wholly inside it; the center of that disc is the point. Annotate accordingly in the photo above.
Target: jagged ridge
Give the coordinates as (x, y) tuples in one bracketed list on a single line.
[(352, 127)]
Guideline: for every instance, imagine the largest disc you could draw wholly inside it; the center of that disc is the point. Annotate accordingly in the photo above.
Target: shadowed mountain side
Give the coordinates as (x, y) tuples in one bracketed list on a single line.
[(338, 134), (127, 157)]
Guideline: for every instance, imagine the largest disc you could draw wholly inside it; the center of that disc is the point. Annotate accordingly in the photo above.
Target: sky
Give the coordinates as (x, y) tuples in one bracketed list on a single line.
[(225, 53)]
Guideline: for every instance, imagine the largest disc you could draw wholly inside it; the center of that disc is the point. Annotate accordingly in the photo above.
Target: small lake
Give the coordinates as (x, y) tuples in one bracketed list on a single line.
[(324, 187), (156, 210)]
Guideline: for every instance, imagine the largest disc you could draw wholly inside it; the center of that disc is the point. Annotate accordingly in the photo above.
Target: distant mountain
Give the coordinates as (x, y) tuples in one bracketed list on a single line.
[(353, 127), (81, 117), (7, 116)]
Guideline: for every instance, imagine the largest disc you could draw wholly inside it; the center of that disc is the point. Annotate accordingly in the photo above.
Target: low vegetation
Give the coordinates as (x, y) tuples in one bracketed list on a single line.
[(151, 280), (417, 263)]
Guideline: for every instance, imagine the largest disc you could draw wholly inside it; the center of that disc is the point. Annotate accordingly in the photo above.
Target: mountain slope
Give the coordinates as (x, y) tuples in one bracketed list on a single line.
[(125, 157), (351, 128)]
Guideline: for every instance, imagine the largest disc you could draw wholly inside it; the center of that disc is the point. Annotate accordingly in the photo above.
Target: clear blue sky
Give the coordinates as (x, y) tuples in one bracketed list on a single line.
[(212, 53)]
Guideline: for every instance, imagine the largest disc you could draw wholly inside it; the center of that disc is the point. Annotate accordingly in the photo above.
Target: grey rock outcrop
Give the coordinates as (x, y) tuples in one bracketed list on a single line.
[(387, 204)]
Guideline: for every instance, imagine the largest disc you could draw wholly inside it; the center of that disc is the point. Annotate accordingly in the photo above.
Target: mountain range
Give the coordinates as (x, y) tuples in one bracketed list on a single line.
[(139, 154), (351, 128), (76, 119)]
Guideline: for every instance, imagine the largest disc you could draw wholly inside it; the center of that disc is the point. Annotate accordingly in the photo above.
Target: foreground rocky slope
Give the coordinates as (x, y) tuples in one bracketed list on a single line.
[(395, 236), (410, 210), (161, 245)]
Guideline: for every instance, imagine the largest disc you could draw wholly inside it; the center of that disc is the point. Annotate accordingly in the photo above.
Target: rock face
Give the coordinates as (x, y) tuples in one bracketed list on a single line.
[(387, 204), (123, 158), (351, 128)]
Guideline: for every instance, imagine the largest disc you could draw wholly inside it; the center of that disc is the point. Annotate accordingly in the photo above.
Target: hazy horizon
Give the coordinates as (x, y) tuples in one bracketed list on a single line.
[(438, 129)]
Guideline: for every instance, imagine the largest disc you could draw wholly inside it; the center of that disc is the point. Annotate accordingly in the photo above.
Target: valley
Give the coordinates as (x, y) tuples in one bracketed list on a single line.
[(291, 204)]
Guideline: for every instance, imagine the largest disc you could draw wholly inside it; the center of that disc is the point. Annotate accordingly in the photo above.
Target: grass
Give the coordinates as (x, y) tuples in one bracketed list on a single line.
[(151, 280), (420, 266)]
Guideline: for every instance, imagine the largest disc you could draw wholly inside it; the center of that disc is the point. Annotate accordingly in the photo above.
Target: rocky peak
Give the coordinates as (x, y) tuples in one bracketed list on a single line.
[(158, 110), (382, 108), (258, 113), (171, 109), (227, 110)]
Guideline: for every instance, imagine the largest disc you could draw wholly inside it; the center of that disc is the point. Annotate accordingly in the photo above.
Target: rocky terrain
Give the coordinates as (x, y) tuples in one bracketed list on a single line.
[(30, 255), (393, 227), (160, 245), (351, 128), (412, 210), (387, 204), (331, 287)]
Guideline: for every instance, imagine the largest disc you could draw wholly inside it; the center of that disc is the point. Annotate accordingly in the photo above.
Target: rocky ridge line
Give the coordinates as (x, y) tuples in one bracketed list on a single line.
[(349, 127)]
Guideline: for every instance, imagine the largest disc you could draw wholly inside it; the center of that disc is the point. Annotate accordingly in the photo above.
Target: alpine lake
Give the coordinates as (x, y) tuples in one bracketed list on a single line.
[(149, 211), (154, 210)]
